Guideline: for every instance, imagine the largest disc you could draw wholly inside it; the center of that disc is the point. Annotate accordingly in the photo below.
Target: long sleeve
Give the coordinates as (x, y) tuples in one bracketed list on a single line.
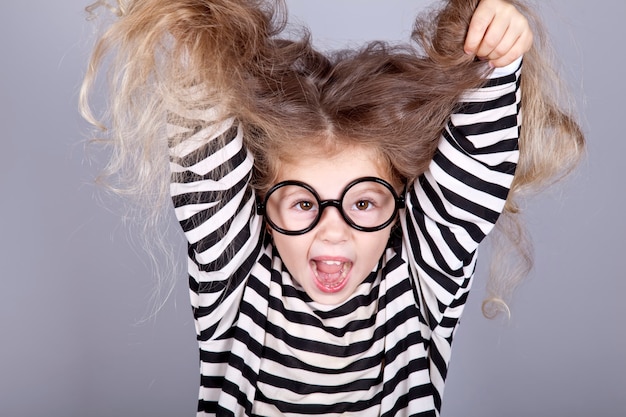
[(456, 203), (214, 204)]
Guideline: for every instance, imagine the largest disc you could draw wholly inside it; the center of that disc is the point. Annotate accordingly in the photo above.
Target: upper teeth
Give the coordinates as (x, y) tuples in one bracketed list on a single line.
[(332, 262)]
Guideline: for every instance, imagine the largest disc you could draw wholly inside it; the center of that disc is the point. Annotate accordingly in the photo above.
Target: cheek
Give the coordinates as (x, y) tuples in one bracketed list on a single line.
[(373, 245), (293, 251)]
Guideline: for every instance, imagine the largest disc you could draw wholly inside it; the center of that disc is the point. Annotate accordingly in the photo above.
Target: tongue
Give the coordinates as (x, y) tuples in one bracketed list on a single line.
[(325, 268), (330, 275)]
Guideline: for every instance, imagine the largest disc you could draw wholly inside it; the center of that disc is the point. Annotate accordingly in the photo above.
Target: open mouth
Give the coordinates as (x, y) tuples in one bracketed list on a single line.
[(330, 275)]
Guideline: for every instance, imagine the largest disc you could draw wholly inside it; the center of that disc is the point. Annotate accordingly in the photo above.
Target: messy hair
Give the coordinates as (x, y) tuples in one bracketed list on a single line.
[(289, 96)]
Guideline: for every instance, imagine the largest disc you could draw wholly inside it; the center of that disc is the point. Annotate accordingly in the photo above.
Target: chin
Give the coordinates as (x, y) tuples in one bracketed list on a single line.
[(329, 299)]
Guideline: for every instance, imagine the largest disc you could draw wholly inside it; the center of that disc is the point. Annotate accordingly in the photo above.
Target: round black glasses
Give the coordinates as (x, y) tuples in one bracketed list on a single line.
[(367, 204)]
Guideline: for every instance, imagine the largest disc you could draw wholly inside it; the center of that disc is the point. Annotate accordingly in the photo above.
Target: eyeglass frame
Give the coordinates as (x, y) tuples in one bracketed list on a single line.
[(399, 201)]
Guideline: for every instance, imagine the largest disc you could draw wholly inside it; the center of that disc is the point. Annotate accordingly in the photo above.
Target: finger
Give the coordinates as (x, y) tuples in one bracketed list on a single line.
[(519, 48), (479, 24), (500, 47), (518, 35), (493, 38)]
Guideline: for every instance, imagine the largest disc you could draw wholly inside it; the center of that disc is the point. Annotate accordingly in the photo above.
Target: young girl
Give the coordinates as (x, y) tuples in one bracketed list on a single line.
[(334, 203)]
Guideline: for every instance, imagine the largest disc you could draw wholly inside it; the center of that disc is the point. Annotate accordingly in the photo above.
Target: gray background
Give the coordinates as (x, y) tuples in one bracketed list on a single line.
[(74, 288)]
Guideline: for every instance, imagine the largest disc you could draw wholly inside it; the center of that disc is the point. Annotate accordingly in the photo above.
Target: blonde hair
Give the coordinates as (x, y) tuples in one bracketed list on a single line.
[(285, 94)]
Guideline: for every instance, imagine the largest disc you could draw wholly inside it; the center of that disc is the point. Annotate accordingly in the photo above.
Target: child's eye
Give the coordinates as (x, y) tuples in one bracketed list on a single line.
[(363, 205), (304, 205)]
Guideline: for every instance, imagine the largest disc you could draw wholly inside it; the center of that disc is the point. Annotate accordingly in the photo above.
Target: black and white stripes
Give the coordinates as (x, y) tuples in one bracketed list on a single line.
[(265, 347)]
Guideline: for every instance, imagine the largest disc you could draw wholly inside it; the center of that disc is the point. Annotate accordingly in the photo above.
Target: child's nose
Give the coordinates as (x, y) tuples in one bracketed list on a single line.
[(332, 227)]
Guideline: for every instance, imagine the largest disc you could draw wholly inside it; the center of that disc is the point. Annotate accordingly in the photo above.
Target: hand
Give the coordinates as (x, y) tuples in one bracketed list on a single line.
[(498, 33)]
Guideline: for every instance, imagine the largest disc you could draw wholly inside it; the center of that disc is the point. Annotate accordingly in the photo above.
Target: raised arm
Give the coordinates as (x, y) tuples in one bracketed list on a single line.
[(214, 204), (457, 201), (155, 51)]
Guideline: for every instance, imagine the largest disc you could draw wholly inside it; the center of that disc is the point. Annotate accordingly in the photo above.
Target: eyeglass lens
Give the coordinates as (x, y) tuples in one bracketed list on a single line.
[(367, 204)]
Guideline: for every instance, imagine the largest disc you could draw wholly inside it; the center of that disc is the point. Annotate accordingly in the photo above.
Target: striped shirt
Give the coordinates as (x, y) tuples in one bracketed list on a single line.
[(266, 348)]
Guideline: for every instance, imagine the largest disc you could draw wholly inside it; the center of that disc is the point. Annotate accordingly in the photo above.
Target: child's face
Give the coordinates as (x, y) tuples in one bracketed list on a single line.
[(331, 260)]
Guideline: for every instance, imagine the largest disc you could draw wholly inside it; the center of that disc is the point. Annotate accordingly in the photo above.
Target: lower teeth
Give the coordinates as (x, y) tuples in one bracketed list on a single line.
[(332, 281)]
